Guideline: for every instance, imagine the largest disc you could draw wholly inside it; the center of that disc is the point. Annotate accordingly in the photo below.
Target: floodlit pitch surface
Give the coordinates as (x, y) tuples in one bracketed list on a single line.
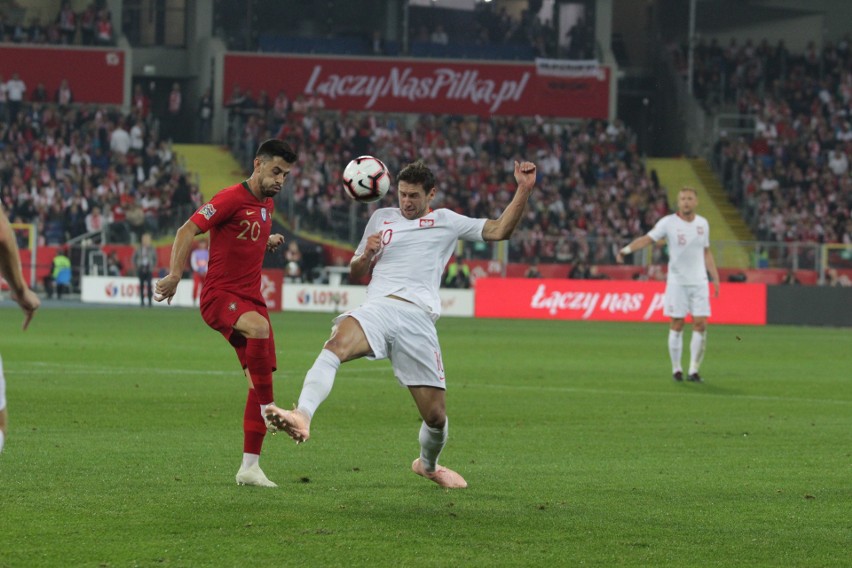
[(125, 435)]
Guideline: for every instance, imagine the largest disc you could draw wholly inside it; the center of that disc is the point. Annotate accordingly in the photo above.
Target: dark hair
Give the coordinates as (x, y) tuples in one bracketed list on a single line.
[(417, 173), (275, 147)]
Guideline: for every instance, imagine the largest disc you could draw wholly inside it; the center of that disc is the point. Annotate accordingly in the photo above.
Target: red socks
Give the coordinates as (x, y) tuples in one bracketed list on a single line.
[(254, 428), (259, 365)]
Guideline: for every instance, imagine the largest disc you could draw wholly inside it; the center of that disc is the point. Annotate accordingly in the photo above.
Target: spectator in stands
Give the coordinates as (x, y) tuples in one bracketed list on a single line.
[(458, 274), (205, 117), (39, 94), (114, 267), (198, 260), (4, 100), (293, 257), (103, 28), (172, 122), (790, 278), (580, 271), (64, 96), (837, 279), (66, 21), (145, 262), (95, 221), (439, 35), (88, 24), (15, 91), (59, 278), (532, 270), (377, 43), (141, 102), (119, 139)]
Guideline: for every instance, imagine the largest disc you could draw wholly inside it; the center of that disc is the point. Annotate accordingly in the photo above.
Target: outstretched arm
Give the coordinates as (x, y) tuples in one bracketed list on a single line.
[(636, 244), (503, 227), (10, 269), (181, 249)]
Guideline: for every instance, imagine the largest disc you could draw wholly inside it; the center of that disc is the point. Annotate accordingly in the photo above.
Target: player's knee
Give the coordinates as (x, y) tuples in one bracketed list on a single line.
[(255, 327), (435, 417)]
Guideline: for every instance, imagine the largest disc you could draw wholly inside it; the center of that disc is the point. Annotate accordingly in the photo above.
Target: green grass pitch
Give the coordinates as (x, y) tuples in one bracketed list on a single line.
[(125, 435)]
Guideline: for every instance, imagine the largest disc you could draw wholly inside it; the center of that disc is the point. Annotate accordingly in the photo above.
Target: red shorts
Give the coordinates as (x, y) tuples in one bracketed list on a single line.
[(221, 310)]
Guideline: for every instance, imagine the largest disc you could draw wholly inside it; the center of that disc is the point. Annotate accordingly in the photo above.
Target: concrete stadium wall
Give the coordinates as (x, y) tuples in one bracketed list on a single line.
[(809, 305)]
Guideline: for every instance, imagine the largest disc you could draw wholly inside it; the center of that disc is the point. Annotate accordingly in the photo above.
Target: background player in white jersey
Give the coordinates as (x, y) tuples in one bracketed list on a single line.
[(406, 249), (690, 259), (10, 269)]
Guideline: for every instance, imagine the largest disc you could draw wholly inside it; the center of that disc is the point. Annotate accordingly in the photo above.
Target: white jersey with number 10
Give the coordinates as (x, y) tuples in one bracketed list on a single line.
[(414, 253)]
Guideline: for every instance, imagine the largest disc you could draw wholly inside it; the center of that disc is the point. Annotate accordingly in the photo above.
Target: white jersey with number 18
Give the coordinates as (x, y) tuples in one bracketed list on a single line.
[(414, 253), (686, 242)]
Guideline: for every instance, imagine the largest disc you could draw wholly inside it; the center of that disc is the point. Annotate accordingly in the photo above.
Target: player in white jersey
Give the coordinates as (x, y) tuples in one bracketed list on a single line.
[(687, 235), (406, 249), (10, 269)]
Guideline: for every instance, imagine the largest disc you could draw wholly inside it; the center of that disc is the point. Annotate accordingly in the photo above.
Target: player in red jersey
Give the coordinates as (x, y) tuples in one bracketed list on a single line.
[(239, 219)]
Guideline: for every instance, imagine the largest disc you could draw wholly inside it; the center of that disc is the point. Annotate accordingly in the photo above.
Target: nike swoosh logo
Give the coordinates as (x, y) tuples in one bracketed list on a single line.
[(389, 222), (249, 213)]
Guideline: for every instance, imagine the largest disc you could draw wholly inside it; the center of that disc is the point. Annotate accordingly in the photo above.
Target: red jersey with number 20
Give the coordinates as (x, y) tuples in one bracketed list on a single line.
[(239, 226)]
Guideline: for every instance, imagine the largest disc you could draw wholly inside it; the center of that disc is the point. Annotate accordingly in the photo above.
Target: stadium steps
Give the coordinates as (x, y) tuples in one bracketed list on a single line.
[(675, 173), (714, 188), (214, 165)]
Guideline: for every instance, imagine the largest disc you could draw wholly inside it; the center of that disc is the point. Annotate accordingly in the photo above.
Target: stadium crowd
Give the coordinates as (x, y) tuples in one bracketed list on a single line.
[(91, 26), (790, 175), (73, 169), (593, 189)]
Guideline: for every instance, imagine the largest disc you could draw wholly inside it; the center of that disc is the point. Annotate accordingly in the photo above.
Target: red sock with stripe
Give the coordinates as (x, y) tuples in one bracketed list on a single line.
[(259, 364), (254, 428)]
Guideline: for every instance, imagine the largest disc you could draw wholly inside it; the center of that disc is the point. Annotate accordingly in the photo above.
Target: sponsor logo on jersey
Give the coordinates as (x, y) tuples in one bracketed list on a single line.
[(389, 222), (207, 211), (249, 212), (263, 213), (427, 222), (232, 307)]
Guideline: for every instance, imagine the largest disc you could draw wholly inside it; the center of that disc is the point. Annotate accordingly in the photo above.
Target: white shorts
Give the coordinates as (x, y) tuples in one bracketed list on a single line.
[(681, 300), (406, 335)]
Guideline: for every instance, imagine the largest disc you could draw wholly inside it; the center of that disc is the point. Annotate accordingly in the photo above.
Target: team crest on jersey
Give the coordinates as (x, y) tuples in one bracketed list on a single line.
[(207, 211), (263, 213), (427, 222), (700, 230)]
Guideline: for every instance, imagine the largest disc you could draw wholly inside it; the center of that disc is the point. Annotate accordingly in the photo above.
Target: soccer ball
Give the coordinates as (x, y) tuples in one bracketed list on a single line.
[(366, 179)]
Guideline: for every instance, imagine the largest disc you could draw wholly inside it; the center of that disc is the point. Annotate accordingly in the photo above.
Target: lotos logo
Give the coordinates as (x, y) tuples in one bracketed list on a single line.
[(322, 298), (111, 290)]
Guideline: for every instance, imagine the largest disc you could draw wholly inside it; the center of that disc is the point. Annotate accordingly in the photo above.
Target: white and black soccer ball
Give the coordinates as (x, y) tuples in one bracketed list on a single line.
[(366, 179)]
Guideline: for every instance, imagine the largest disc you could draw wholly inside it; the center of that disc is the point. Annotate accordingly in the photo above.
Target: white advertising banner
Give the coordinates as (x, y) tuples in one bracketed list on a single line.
[(339, 299), (124, 290)]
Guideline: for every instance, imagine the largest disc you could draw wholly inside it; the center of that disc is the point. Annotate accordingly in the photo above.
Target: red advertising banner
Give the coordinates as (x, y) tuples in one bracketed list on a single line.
[(95, 75), (418, 86), (606, 300)]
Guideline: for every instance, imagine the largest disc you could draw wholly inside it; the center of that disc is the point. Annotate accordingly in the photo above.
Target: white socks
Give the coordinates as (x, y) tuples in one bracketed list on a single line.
[(432, 441), (2, 439), (249, 460), (675, 348), (318, 382), (696, 350)]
